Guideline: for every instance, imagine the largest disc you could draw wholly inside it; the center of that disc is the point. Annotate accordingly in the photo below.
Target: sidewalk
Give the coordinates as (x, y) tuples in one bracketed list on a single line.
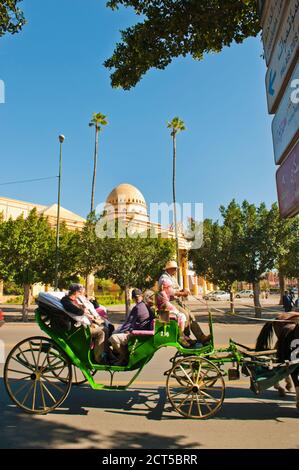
[(13, 313), (220, 310)]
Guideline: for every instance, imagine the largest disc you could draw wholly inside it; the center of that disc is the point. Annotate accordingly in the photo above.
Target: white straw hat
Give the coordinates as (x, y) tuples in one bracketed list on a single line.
[(171, 264)]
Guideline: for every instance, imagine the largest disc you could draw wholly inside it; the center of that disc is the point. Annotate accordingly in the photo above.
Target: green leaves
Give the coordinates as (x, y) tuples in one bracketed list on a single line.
[(177, 125), (11, 17), (99, 120), (134, 262), (251, 241), (176, 28)]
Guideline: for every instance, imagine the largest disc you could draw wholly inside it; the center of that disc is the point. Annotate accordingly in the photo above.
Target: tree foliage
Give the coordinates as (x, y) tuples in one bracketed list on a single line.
[(25, 245), (174, 28), (217, 259), (134, 261), (11, 17), (68, 255), (243, 248)]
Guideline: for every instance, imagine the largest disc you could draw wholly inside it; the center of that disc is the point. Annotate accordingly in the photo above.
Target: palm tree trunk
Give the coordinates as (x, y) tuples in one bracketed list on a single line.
[(174, 205), (94, 168)]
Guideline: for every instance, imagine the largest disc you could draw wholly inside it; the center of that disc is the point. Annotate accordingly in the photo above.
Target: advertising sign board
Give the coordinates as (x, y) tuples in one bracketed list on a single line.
[(287, 179), (285, 125), (284, 55)]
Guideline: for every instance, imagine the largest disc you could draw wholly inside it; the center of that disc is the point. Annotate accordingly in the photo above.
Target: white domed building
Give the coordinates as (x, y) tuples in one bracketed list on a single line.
[(126, 202)]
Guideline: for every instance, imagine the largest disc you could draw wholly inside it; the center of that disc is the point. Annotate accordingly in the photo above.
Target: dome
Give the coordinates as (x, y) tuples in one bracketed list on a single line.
[(126, 200), (126, 193)]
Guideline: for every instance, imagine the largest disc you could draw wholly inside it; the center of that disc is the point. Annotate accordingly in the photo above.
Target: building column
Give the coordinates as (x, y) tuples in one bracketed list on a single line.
[(195, 286), (90, 285), (184, 267)]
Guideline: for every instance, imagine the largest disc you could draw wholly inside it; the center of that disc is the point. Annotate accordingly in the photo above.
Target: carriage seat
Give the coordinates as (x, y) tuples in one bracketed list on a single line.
[(150, 332)]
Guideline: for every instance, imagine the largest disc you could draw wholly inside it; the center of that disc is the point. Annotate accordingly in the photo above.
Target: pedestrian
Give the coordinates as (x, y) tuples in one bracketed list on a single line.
[(287, 302)]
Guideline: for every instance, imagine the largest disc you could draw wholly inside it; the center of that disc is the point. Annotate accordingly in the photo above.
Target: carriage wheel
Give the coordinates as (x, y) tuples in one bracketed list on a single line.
[(195, 387), (78, 378), (29, 375)]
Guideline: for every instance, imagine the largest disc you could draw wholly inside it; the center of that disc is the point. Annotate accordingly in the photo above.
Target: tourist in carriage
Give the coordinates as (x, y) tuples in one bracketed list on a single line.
[(140, 318), (164, 296), (75, 302), (176, 299)]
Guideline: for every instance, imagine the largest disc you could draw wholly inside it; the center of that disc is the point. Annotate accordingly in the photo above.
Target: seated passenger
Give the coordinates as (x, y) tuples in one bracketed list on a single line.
[(74, 302), (149, 300), (140, 318)]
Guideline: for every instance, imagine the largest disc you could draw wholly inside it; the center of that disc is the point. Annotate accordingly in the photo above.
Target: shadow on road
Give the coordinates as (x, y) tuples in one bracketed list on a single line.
[(20, 430)]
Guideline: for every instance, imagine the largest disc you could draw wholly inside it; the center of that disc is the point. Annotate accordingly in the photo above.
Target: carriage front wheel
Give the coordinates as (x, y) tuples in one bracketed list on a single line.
[(37, 375), (195, 387)]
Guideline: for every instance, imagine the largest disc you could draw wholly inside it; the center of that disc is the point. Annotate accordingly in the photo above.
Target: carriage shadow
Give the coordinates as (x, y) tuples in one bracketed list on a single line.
[(153, 404), (20, 430)]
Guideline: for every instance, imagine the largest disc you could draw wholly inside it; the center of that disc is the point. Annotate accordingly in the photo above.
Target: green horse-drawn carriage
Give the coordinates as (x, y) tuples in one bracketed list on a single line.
[(39, 371)]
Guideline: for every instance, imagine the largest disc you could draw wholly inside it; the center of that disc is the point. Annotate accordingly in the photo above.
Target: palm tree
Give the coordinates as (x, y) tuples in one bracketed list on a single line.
[(176, 125), (98, 120)]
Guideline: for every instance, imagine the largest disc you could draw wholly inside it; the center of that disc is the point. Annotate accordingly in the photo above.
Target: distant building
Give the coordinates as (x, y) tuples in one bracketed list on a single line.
[(14, 208), (127, 202)]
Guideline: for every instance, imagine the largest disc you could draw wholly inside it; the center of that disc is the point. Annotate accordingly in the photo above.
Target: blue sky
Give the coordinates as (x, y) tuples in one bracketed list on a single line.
[(55, 80)]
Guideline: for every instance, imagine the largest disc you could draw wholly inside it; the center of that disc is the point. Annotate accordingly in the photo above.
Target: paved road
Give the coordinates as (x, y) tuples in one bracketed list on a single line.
[(142, 417)]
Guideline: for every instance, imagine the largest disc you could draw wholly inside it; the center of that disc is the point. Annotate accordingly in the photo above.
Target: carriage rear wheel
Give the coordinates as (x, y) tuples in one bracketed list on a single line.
[(78, 378), (29, 375), (195, 387)]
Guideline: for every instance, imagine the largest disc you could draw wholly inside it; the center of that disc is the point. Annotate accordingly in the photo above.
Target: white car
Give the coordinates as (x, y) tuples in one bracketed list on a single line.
[(210, 295), (244, 294), (221, 295)]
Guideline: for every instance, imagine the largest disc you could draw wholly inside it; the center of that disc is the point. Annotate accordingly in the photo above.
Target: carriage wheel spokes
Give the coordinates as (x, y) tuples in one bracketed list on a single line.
[(195, 387), (78, 378), (29, 375)]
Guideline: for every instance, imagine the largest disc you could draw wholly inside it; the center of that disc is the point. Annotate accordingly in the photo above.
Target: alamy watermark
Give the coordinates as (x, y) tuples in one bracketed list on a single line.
[(295, 93), (2, 92), (130, 218), (295, 350)]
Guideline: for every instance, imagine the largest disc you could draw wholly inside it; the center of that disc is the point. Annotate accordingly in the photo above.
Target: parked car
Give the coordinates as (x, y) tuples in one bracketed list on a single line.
[(244, 294), (1, 318), (209, 296), (221, 295)]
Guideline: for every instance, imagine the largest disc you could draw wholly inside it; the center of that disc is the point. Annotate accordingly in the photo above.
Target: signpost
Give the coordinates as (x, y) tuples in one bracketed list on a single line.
[(280, 23), (284, 55), (271, 26), (287, 178), (285, 125)]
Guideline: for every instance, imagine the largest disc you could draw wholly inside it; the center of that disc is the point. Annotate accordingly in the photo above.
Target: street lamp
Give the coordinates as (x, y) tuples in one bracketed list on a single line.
[(61, 140)]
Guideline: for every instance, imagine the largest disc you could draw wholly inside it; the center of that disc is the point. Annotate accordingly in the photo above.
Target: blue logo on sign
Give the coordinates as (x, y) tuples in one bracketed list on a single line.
[(271, 82)]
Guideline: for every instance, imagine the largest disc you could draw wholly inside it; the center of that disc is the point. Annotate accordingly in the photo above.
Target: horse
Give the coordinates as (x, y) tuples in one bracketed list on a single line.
[(287, 332)]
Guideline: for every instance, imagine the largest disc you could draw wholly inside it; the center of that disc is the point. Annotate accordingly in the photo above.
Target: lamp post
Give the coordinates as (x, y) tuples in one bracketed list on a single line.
[(61, 140)]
